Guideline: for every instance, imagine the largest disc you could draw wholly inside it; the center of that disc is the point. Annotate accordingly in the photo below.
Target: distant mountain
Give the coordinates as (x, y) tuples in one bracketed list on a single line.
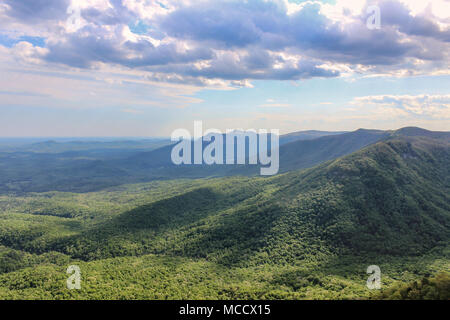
[(53, 146), (419, 132), (306, 135), (116, 163), (307, 153), (303, 152)]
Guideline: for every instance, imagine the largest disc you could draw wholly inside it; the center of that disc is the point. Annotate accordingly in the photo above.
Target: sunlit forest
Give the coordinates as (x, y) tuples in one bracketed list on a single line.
[(308, 233)]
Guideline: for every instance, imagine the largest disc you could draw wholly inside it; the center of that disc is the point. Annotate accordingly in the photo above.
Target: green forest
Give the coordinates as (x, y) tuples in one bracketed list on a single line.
[(308, 233)]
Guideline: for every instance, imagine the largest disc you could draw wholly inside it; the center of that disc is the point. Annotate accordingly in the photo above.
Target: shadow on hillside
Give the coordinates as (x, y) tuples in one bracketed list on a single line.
[(131, 232), (202, 223), (236, 236)]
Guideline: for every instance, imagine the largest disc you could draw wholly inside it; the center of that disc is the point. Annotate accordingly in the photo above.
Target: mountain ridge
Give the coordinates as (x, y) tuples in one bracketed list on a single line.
[(81, 171), (303, 234)]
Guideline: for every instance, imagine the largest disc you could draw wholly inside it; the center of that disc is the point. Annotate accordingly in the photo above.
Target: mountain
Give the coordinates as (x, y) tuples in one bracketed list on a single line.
[(304, 152), (302, 234), (306, 135), (419, 132), (82, 166), (307, 153), (104, 145), (94, 169), (391, 198)]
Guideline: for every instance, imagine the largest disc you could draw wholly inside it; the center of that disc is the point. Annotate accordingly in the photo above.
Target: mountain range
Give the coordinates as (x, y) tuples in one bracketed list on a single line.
[(89, 166), (343, 202)]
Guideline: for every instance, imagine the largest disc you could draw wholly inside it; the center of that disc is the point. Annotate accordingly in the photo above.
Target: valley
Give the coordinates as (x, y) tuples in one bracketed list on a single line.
[(346, 202)]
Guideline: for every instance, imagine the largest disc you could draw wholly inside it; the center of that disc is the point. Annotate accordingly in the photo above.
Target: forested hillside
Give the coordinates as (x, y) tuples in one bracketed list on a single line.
[(302, 234)]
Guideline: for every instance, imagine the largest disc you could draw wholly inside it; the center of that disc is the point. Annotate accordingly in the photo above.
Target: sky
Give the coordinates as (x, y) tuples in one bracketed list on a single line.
[(145, 68)]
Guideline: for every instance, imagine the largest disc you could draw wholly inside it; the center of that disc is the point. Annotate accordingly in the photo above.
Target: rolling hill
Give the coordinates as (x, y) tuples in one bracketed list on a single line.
[(389, 198), (305, 233)]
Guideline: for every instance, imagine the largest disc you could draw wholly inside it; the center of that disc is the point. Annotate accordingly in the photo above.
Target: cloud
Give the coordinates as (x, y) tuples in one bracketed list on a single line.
[(233, 42), (33, 11), (114, 45), (32, 84), (275, 105), (267, 25), (272, 103), (431, 106), (23, 93), (398, 14)]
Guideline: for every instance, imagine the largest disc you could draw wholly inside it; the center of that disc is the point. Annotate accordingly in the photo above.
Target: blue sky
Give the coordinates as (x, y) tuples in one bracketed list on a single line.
[(145, 68)]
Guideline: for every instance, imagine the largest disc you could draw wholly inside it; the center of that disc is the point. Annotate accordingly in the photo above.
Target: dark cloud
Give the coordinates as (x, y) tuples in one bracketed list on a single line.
[(91, 45), (397, 14), (32, 11), (227, 23), (116, 14), (269, 26), (231, 67)]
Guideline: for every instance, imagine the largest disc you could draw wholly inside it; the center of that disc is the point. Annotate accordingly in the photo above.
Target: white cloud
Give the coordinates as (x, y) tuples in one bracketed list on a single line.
[(275, 105), (432, 106)]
